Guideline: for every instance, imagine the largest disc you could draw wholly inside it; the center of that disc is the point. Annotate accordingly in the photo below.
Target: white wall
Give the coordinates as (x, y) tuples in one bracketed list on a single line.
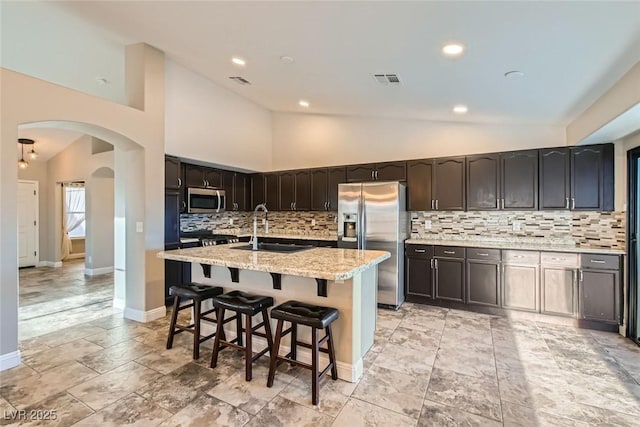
[(37, 171), (42, 40), (209, 123), (100, 219), (308, 140)]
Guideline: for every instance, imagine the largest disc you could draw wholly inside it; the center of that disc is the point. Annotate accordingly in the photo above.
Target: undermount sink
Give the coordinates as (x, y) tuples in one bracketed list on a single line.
[(275, 247)]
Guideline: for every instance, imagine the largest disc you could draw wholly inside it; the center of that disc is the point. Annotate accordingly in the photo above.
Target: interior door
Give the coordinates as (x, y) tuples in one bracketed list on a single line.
[(27, 223)]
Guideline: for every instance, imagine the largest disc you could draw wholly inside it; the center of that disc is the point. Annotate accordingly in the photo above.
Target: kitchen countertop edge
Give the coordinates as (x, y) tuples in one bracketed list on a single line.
[(516, 246)]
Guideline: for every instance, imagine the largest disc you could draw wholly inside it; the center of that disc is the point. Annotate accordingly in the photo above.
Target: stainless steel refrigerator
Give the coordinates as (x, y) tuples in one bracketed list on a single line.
[(373, 216)]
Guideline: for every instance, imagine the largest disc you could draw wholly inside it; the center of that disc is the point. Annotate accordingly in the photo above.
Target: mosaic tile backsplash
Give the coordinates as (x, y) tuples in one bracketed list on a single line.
[(598, 229), (299, 222)]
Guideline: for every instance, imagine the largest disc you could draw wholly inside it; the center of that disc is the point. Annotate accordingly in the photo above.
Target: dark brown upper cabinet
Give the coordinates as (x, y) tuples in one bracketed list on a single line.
[(519, 180), (483, 182), (295, 190), (592, 178), (449, 184), (172, 173), (213, 177), (555, 178), (194, 176), (235, 186), (272, 187), (257, 184), (420, 185), (389, 171), (324, 187), (287, 191), (579, 178)]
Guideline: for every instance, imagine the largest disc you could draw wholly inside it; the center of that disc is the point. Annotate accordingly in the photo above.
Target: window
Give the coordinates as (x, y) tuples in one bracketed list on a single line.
[(74, 198)]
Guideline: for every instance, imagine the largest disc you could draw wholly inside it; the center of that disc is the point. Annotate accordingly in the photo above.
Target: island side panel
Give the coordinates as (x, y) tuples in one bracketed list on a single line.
[(347, 330)]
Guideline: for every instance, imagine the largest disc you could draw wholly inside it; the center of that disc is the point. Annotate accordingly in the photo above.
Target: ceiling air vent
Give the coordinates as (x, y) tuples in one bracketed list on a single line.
[(387, 79), (240, 80)]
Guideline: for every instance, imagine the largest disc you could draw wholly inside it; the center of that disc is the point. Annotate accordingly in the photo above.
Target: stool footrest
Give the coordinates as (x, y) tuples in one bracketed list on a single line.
[(309, 346), (261, 353)]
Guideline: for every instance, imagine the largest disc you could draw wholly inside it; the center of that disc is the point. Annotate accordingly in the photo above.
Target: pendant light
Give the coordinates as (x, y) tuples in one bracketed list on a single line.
[(22, 163)]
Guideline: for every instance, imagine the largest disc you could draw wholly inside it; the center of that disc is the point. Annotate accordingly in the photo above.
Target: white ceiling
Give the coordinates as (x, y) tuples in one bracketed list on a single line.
[(49, 141), (571, 52)]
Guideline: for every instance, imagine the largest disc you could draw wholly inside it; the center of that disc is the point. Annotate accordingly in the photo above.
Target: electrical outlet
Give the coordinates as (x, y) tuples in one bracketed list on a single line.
[(313, 222), (427, 224), (264, 221), (230, 221), (139, 227), (516, 226)]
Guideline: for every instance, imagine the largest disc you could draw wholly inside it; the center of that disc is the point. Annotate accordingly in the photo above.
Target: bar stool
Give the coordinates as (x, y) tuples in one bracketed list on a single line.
[(317, 317), (249, 305), (197, 293)]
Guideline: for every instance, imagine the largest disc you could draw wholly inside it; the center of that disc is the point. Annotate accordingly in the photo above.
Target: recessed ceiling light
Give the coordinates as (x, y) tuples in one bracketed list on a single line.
[(287, 59), (460, 109), (514, 75), (453, 49), (238, 61), (303, 103)]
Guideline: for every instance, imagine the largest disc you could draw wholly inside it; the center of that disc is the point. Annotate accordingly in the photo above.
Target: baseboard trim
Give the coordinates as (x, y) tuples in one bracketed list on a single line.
[(144, 316), (96, 271), (9, 360), (118, 303), (53, 264), (346, 371), (75, 256)]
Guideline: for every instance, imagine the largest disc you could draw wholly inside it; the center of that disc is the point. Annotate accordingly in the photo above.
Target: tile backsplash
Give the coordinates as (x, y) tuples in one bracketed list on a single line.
[(599, 229), (298, 222)]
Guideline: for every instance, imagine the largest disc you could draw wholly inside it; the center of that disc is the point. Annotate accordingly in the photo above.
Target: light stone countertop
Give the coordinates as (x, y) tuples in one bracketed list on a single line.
[(320, 263), (243, 232), (516, 245)]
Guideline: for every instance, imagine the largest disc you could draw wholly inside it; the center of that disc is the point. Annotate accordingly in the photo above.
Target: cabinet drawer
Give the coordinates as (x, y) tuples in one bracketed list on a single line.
[(526, 257), (560, 259), (479, 253), (419, 251), (449, 252), (606, 262)]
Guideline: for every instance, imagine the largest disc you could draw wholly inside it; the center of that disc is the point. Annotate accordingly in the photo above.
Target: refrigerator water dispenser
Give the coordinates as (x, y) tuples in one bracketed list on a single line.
[(350, 225)]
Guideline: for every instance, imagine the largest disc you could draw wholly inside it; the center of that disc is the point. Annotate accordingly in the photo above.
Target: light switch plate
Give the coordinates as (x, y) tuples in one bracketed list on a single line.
[(313, 222), (427, 224), (264, 221), (139, 227), (230, 221), (517, 226)]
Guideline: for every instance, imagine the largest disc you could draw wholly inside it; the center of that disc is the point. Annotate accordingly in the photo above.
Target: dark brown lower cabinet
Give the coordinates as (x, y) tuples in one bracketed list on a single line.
[(449, 279), (599, 295), (483, 282)]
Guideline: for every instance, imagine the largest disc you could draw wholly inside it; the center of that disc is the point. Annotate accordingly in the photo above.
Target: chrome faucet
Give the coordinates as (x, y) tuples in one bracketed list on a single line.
[(254, 238)]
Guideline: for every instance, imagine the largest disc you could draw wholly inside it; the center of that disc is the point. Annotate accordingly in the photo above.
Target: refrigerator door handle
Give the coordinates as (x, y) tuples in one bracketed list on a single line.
[(363, 221)]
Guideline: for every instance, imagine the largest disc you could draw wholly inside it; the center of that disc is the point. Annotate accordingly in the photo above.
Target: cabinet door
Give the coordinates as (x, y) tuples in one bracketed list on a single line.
[(391, 171), (194, 176), (450, 184), (228, 184), (586, 178), (555, 179), (558, 291), (599, 295), (172, 179), (287, 191), (419, 277), (302, 191), (483, 283), (257, 190), (241, 191), (519, 179), (419, 184), (483, 182), (318, 189), (449, 279), (335, 176), (272, 190), (213, 177), (520, 287), (172, 219), (360, 173)]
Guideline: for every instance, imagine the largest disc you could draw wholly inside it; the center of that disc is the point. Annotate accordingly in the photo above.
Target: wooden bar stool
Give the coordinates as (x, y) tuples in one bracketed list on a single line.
[(249, 305), (197, 293), (317, 317)]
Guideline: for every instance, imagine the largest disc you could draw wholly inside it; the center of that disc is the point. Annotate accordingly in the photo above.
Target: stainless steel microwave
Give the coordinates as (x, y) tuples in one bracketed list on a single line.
[(205, 200)]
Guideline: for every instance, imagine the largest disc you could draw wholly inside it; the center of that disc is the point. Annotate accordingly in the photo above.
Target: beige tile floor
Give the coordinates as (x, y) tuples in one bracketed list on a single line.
[(428, 367)]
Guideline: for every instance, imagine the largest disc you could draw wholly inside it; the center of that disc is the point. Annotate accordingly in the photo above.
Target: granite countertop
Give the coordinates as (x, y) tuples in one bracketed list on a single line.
[(320, 263), (517, 245), (244, 232)]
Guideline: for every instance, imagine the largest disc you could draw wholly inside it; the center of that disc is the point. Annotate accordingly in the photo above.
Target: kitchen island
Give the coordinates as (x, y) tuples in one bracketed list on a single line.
[(345, 279)]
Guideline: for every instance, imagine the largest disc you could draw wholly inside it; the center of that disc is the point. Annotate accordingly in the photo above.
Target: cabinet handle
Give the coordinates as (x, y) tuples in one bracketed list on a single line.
[(573, 203), (431, 263), (420, 251), (566, 203), (597, 261), (294, 206), (432, 204), (377, 175), (518, 256), (436, 204), (372, 176), (179, 183), (449, 252), (574, 277), (581, 275), (483, 254), (435, 263), (291, 206), (184, 205), (556, 259)]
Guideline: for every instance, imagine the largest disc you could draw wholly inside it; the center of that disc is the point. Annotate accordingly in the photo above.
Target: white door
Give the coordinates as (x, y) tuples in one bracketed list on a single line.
[(27, 223)]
